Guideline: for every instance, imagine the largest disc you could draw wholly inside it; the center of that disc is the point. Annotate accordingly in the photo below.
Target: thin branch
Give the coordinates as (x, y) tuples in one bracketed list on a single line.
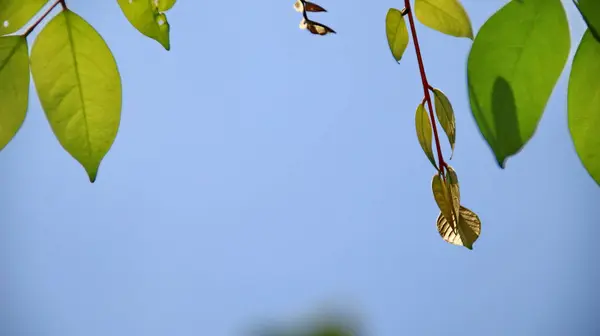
[(38, 21), (426, 86)]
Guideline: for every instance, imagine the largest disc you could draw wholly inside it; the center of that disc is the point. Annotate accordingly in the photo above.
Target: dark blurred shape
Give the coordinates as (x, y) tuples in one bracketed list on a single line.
[(322, 325)]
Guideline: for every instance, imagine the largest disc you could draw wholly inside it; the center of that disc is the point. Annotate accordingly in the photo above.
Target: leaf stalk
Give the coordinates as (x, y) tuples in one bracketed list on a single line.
[(62, 3), (426, 87)]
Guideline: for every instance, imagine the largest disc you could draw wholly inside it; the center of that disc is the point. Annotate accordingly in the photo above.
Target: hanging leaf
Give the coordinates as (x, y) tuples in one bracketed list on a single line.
[(584, 104), (443, 198), (14, 86), (14, 14), (299, 6), (165, 5), (315, 27), (313, 7), (79, 87), (147, 19), (446, 16), (453, 189), (445, 115), (514, 64), (396, 32), (424, 133), (590, 10), (466, 232)]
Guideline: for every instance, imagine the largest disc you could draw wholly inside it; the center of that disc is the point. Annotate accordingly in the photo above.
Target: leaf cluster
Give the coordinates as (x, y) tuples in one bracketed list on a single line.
[(74, 71), (513, 66), (314, 27), (456, 224)]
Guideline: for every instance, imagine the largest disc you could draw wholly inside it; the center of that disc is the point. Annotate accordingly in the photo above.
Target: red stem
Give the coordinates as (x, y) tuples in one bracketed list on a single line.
[(426, 85), (38, 21)]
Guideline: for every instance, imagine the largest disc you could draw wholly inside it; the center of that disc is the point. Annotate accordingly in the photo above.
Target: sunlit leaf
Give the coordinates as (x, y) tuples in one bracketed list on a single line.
[(467, 231), (446, 16), (443, 198), (299, 6), (396, 32), (514, 64), (14, 14), (454, 189), (313, 7), (445, 115), (165, 5), (590, 10), (584, 104), (318, 28), (14, 86), (79, 87), (303, 24), (147, 19), (424, 133)]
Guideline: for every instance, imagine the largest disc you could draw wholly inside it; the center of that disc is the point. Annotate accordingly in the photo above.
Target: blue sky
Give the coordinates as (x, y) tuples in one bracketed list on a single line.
[(262, 173)]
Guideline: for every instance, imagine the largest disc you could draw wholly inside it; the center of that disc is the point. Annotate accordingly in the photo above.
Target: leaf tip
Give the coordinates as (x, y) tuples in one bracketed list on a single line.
[(92, 172), (92, 176), (501, 161)]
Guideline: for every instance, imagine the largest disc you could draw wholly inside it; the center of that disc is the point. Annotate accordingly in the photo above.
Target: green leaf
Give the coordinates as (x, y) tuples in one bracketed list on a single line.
[(584, 104), (446, 16), (590, 10), (442, 197), (423, 126), (14, 14), (165, 5), (514, 64), (467, 232), (445, 115), (454, 189), (396, 32), (14, 86), (79, 86), (147, 19)]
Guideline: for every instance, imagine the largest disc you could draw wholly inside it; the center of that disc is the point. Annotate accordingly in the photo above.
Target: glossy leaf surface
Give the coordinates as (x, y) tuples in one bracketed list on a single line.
[(396, 32), (14, 86), (514, 64), (446, 16), (79, 87), (424, 132), (147, 19), (14, 14), (584, 104)]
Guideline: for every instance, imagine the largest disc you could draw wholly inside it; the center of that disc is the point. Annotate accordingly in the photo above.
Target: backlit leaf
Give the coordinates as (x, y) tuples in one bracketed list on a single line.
[(165, 5), (14, 86), (590, 10), (396, 32), (313, 7), (316, 27), (445, 115), (147, 19), (467, 231), (14, 14), (584, 104), (442, 197), (454, 189), (446, 16), (79, 87), (424, 133), (513, 66)]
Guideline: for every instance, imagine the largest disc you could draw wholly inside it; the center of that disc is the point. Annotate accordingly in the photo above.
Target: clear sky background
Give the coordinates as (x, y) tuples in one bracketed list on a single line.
[(262, 173)]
